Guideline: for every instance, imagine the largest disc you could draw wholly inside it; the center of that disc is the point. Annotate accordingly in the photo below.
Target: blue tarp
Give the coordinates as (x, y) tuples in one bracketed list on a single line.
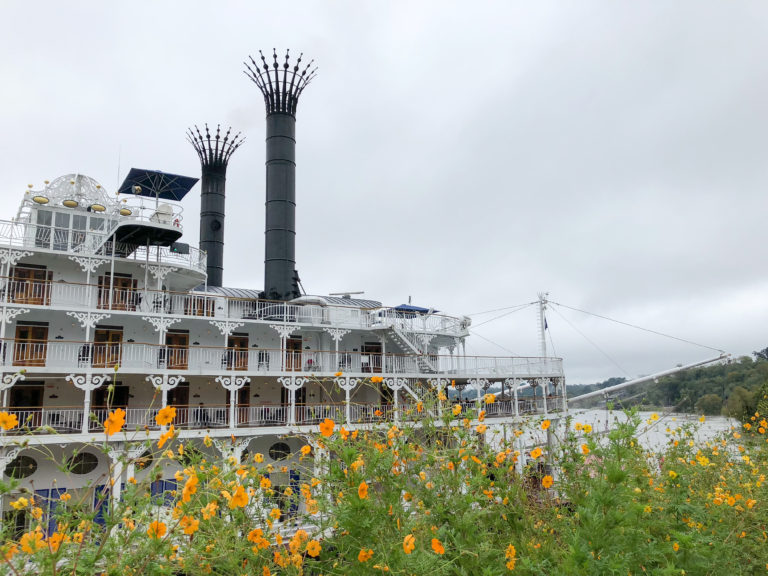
[(156, 184), (413, 309)]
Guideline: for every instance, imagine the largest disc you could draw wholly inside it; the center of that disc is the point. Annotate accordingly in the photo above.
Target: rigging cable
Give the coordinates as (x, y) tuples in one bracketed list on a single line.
[(500, 309), (638, 327), (492, 342), (516, 308), (591, 342)]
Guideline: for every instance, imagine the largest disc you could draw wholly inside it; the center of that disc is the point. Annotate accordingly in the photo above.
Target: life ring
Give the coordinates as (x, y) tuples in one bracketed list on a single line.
[(177, 223)]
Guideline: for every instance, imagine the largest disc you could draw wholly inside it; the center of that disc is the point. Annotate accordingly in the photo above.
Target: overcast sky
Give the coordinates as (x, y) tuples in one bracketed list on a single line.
[(468, 155)]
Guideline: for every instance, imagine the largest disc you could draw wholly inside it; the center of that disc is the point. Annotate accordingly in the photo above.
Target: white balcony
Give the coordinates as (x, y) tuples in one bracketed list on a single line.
[(141, 358)]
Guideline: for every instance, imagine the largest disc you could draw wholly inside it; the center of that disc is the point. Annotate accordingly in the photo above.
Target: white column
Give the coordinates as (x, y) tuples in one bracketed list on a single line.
[(87, 382), (347, 384)]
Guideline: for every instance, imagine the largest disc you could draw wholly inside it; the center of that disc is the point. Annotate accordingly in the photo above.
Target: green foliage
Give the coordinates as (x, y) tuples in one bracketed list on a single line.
[(408, 491), (709, 404)]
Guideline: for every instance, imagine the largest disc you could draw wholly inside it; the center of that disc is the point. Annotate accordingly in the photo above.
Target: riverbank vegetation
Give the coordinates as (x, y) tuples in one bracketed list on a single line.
[(737, 388), (445, 491)]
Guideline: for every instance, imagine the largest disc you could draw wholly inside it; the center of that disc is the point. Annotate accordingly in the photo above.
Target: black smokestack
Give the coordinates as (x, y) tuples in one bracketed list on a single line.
[(281, 86), (214, 156)]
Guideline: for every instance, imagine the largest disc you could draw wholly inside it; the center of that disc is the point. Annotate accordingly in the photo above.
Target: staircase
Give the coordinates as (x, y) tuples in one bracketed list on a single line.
[(409, 343)]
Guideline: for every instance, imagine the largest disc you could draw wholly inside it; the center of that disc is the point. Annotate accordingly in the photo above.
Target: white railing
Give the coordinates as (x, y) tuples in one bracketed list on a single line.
[(92, 242), (144, 357)]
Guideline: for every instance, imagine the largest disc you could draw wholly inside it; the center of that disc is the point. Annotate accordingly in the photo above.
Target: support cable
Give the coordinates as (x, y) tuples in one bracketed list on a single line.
[(500, 309), (591, 342), (516, 309), (492, 342), (638, 327)]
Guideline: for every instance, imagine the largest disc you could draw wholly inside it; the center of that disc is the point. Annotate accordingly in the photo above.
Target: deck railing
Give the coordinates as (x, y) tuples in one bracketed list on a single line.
[(135, 357), (95, 296)]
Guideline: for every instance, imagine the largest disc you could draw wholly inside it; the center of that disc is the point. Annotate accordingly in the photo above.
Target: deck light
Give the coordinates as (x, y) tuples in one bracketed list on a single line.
[(98, 207), (70, 203), (40, 199), (125, 212)]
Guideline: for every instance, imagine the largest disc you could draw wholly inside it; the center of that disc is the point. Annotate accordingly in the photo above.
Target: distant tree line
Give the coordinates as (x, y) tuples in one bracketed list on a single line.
[(737, 388)]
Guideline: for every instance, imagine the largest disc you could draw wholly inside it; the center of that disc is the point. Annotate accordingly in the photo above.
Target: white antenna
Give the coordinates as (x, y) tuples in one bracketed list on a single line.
[(119, 150)]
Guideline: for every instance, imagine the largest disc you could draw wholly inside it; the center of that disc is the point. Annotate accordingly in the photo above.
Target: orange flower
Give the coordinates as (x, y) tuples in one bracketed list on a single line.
[(536, 452), (8, 421), (584, 449), (306, 449), (326, 427), (409, 543), (481, 428), (239, 498), (490, 398), (338, 374), (675, 546), (545, 425), (364, 555), (189, 525), (362, 490), (377, 379), (437, 546), (481, 416), (31, 542), (420, 407), (456, 409), (275, 513), (157, 530), (114, 422), (190, 487), (209, 510), (165, 416), (344, 433), (547, 481), (313, 548), (258, 458), (167, 436), (55, 541)]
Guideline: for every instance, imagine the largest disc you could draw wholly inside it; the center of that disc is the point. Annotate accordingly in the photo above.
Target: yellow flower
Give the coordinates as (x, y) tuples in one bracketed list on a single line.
[(675, 546), (306, 449), (672, 474), (313, 548), (166, 436), (536, 452), (66, 497), (114, 422), (20, 503), (437, 546), (703, 418), (654, 417), (409, 543), (258, 457), (545, 425), (362, 490), (189, 525), (587, 428), (489, 398), (481, 428), (265, 483), (456, 409), (547, 481), (364, 555), (207, 441), (275, 513), (239, 498), (326, 427), (8, 421), (157, 530), (165, 416)]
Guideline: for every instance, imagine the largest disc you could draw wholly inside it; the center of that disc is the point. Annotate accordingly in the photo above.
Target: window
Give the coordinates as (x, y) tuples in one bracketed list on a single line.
[(21, 467), (43, 229), (279, 451), (83, 463), (61, 231)]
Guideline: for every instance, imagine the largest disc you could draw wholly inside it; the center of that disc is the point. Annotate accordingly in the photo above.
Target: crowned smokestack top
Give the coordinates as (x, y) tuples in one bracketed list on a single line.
[(214, 152), (281, 85)]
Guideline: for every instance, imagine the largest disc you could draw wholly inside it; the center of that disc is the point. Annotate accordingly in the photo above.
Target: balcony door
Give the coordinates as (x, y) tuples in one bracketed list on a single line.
[(237, 352), (293, 354), (179, 397), (26, 399), (370, 357), (124, 294), (31, 346), (107, 347), (177, 350), (242, 401), (30, 285)]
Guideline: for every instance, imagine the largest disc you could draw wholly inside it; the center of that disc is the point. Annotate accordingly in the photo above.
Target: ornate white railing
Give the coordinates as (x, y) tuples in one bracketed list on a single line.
[(141, 357)]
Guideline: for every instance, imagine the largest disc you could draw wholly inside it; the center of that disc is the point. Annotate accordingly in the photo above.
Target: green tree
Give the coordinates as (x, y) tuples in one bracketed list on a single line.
[(709, 404), (741, 403)]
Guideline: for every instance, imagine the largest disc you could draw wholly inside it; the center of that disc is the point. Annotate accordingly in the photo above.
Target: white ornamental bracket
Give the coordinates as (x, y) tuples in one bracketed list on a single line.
[(283, 330), (9, 455), (481, 383), (87, 383), (336, 335), (440, 384), (88, 319), (10, 313), (164, 383), (233, 448), (232, 384), (88, 264), (512, 383), (347, 384), (226, 327), (160, 324), (11, 257), (426, 340), (396, 384), (292, 383), (158, 271)]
